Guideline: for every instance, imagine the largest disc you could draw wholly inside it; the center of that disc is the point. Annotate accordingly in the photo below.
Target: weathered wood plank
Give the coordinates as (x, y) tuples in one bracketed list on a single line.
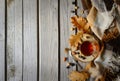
[(14, 40), (2, 40), (30, 40), (65, 24), (48, 13)]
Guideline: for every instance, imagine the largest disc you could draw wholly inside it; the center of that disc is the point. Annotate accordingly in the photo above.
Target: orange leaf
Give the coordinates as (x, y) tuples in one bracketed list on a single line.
[(79, 22), (78, 76), (75, 39)]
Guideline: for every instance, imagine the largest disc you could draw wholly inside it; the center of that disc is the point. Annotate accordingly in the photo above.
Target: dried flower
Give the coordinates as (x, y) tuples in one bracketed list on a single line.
[(67, 50)]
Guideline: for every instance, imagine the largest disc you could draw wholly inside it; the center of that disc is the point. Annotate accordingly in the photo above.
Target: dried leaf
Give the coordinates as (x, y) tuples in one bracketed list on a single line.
[(89, 65), (78, 76), (100, 78), (80, 23), (65, 59), (67, 50), (75, 39)]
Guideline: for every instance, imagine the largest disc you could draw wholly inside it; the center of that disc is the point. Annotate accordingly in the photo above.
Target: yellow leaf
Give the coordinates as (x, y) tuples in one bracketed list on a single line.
[(80, 23), (78, 76), (75, 39)]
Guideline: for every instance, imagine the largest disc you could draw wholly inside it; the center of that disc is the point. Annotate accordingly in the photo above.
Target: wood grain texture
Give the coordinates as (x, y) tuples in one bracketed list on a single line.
[(30, 40), (82, 10), (14, 40), (65, 24), (48, 13), (2, 40)]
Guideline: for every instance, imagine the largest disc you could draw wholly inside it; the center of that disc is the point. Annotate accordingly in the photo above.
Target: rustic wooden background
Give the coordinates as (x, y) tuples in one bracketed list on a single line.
[(33, 35)]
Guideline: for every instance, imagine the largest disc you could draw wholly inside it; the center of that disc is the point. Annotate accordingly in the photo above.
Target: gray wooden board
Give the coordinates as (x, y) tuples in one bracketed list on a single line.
[(30, 40), (2, 40), (48, 40), (14, 40), (65, 24)]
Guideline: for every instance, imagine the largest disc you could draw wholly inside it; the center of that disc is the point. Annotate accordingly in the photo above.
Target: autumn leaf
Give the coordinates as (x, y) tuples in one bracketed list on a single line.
[(89, 65), (78, 76), (67, 50), (80, 23), (75, 40)]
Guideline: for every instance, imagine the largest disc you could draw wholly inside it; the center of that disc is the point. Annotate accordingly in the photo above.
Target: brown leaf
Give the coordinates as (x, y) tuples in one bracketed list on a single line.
[(78, 76), (89, 65), (75, 39), (100, 78), (80, 23)]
